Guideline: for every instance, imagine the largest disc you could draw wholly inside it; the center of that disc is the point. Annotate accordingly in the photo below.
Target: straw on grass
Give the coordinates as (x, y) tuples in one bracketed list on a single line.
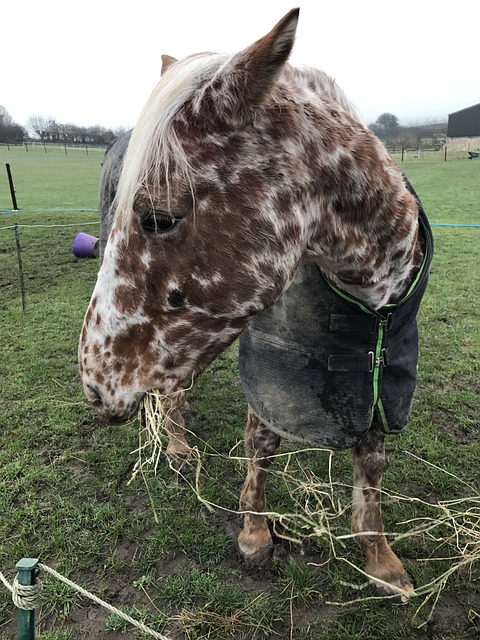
[(452, 525)]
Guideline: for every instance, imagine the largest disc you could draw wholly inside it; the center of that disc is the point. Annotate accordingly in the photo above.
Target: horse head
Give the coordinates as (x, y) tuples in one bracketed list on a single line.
[(206, 232)]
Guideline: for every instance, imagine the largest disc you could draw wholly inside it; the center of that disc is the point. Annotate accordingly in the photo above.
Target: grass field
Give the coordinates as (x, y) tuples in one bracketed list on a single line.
[(152, 547)]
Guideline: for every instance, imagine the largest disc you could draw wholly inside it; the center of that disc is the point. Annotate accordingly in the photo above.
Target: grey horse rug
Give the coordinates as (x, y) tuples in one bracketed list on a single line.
[(319, 364)]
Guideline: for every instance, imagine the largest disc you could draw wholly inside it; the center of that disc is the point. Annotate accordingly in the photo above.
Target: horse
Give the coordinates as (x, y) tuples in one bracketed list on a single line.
[(254, 202)]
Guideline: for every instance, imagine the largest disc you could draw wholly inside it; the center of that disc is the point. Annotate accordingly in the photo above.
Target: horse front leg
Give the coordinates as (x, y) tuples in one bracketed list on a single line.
[(255, 541), (381, 562), (175, 425)]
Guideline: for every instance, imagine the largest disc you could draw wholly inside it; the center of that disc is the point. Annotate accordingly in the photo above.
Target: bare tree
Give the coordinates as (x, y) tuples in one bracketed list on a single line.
[(42, 127), (10, 131)]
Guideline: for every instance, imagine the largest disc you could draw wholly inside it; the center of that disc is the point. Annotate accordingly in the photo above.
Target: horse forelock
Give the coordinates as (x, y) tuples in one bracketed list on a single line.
[(154, 146)]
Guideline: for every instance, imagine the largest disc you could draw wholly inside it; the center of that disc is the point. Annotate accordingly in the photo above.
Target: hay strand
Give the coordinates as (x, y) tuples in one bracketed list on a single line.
[(453, 526)]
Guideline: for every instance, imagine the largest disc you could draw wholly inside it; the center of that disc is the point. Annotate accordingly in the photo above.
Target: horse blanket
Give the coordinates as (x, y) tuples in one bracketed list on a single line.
[(318, 364)]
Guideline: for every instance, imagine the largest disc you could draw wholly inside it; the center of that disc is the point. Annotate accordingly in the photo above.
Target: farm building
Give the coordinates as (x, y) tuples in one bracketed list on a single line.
[(463, 130)]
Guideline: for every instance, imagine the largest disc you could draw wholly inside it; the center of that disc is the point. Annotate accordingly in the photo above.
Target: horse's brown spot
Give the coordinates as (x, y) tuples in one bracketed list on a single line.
[(133, 342), (89, 314), (125, 299)]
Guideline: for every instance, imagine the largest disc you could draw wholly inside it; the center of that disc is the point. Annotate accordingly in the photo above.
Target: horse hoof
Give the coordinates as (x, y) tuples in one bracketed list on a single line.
[(398, 588), (257, 562), (255, 559)]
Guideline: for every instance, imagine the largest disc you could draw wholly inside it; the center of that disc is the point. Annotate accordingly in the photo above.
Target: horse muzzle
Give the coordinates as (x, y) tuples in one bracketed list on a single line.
[(110, 408)]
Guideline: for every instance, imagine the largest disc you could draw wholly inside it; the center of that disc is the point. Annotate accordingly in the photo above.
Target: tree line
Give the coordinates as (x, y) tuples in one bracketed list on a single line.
[(428, 135), (46, 129)]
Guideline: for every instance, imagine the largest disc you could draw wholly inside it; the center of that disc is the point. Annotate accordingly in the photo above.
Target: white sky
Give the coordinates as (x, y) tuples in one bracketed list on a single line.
[(96, 61)]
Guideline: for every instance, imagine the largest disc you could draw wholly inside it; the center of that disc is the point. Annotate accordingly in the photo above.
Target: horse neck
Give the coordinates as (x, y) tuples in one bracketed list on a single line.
[(372, 249), (362, 221)]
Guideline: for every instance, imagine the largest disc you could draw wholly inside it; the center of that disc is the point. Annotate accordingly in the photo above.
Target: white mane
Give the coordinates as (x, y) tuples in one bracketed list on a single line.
[(154, 140)]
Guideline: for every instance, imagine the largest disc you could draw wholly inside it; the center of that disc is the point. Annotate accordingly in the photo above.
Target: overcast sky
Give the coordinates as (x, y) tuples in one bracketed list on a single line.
[(96, 61)]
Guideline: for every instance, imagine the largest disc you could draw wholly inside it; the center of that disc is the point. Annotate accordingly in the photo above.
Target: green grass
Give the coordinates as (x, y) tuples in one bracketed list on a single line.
[(64, 492), (52, 180)]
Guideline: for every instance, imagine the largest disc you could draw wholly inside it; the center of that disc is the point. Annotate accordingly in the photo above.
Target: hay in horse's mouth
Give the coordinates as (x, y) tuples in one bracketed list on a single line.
[(155, 411), (152, 415)]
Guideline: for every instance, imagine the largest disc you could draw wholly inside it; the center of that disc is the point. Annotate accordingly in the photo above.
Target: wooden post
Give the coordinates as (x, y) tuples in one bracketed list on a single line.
[(403, 151), (445, 159), (20, 266), (12, 187), (27, 574)]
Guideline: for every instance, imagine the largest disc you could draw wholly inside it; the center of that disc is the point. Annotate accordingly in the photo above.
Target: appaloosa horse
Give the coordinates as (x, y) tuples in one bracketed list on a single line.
[(253, 199)]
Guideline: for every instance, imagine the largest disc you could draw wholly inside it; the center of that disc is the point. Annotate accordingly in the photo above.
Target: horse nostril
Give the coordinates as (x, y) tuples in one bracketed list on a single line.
[(95, 397)]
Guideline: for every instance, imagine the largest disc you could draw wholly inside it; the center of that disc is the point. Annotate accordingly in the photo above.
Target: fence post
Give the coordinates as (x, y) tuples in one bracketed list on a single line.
[(12, 187), (27, 574), (20, 266)]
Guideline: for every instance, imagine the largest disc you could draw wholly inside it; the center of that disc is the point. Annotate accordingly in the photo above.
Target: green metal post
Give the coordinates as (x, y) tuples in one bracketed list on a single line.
[(27, 574)]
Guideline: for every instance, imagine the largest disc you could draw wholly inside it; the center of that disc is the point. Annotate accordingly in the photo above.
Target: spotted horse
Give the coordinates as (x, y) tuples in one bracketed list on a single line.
[(254, 202)]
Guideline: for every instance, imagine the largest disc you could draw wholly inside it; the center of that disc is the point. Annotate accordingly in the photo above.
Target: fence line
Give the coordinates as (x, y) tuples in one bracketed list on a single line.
[(15, 227), (50, 226), (57, 210), (44, 147)]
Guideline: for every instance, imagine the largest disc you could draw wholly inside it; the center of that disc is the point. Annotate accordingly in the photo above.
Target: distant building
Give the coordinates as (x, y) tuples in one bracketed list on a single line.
[(463, 129), (464, 123)]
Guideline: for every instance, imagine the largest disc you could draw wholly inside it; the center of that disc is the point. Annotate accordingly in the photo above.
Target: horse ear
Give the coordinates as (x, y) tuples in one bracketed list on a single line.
[(166, 62), (254, 70)]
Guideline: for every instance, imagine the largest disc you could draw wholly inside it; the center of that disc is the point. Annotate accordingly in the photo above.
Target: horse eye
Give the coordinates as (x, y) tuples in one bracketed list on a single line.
[(159, 222), (176, 299)]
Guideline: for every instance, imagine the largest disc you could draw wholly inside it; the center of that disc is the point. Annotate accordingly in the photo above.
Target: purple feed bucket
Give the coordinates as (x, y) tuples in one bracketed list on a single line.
[(85, 246)]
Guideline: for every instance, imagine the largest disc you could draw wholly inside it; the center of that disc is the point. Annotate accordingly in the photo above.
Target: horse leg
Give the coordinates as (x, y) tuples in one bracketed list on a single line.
[(381, 562), (175, 425), (254, 541)]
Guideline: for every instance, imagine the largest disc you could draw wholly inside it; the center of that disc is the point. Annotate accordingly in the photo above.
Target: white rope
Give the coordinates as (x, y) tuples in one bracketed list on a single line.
[(5, 582), (28, 598), (102, 603), (24, 596)]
